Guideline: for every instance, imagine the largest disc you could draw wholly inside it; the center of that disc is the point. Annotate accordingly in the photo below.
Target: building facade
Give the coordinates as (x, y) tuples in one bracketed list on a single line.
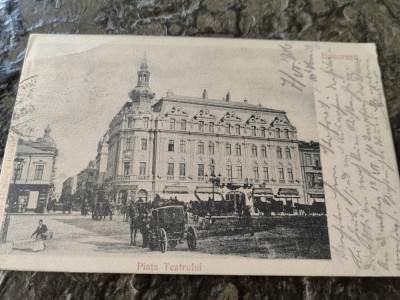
[(173, 144), (32, 183), (86, 179), (69, 186), (312, 172)]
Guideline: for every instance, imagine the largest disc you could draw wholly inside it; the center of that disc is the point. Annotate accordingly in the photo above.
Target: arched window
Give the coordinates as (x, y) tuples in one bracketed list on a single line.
[(288, 153), (286, 133), (263, 151), (254, 150), (172, 124), (277, 133), (211, 147), (228, 149), (278, 152), (255, 172), (238, 150), (200, 148)]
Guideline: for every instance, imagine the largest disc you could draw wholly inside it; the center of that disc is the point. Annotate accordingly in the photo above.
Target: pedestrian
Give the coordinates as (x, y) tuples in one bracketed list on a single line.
[(248, 221), (40, 232)]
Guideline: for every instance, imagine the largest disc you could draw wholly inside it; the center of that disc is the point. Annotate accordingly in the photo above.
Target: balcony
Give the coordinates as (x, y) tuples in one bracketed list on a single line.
[(182, 177), (170, 177), (281, 181), (129, 177)]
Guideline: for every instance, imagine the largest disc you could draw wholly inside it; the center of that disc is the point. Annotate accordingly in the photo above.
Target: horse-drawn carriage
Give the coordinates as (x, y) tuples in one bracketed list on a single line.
[(100, 207), (167, 228)]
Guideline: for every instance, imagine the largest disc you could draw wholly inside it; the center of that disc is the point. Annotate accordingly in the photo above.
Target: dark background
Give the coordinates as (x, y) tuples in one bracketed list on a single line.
[(320, 20)]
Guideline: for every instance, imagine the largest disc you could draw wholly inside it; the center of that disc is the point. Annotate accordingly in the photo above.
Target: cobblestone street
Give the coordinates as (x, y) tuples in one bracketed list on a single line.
[(282, 237)]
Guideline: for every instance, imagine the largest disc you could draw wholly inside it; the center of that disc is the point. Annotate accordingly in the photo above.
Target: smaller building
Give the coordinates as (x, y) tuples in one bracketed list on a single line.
[(312, 172), (69, 186), (101, 160), (34, 170), (87, 178)]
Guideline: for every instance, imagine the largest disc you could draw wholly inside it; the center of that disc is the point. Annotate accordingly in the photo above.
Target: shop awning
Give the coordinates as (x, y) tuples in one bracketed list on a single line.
[(291, 192), (176, 189), (263, 191), (317, 195), (207, 190)]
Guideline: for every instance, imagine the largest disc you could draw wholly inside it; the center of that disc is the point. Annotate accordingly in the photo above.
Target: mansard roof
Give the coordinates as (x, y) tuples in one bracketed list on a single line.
[(217, 103)]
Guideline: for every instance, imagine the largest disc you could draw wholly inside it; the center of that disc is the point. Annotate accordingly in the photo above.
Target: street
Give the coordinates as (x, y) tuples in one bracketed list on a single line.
[(283, 237)]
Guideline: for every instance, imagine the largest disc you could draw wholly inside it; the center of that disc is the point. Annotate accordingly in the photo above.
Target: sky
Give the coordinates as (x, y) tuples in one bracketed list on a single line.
[(82, 85)]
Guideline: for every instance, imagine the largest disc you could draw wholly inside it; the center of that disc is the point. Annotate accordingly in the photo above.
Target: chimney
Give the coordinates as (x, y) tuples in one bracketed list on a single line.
[(245, 100)]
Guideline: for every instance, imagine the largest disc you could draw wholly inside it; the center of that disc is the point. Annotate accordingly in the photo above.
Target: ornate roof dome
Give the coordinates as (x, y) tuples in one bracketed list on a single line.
[(46, 140), (144, 65)]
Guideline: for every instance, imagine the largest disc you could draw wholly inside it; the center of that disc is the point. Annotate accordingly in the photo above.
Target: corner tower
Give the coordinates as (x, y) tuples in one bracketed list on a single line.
[(142, 94)]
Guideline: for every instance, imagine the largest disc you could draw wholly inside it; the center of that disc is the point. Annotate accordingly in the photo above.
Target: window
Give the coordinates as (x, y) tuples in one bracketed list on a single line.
[(182, 169), (128, 144), (288, 154), (200, 148), (201, 126), (239, 172), (277, 133), (127, 168), (262, 130), (212, 168), (18, 172), (286, 133), (170, 171), (211, 148), (317, 161), (266, 174), (253, 131), (229, 171), (144, 144), (200, 169), (237, 129), (290, 174), (142, 168), (38, 172), (281, 174), (182, 146), (278, 152), (238, 150), (318, 181), (310, 180), (172, 124), (211, 127), (130, 122), (254, 150), (308, 160), (145, 122), (263, 151), (228, 128), (255, 172), (171, 146), (228, 149), (183, 124)]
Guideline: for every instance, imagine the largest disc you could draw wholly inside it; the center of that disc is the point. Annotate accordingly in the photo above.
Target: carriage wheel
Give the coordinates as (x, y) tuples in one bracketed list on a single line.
[(163, 241), (191, 238)]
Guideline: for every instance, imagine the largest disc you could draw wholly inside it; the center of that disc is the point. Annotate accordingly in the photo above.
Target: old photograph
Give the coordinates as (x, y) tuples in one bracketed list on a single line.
[(135, 149)]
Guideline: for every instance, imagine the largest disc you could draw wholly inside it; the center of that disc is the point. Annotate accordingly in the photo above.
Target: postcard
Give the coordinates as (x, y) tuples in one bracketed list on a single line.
[(170, 155)]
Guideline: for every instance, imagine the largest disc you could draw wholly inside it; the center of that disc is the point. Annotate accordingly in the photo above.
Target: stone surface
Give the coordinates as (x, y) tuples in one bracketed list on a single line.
[(325, 20)]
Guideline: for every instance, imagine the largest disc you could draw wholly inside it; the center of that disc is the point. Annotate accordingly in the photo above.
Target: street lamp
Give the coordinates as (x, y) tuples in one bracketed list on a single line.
[(215, 180), (17, 168)]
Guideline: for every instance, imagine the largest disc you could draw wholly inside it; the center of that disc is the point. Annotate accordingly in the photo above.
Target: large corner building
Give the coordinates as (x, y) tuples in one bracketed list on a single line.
[(169, 145)]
